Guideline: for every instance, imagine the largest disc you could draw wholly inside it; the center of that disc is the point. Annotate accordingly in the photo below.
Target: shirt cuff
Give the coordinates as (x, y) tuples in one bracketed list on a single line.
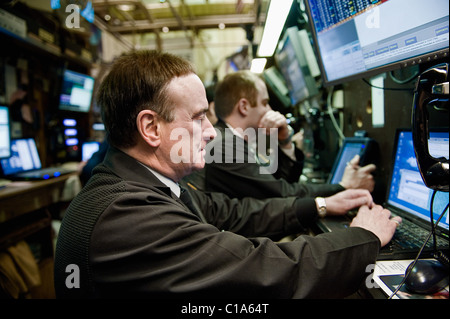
[(306, 211)]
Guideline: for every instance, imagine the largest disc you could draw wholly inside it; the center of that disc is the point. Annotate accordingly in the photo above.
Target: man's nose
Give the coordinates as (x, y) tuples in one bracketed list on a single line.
[(209, 132)]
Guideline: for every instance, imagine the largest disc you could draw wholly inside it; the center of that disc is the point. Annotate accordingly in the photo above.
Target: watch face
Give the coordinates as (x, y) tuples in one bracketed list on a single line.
[(322, 212)]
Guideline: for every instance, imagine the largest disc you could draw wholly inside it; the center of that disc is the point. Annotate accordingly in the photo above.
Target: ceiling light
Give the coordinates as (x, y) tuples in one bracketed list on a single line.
[(276, 18), (258, 65), (126, 7)]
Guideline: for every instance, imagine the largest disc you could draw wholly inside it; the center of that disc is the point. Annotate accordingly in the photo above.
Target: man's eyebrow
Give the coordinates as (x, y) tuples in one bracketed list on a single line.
[(201, 112)]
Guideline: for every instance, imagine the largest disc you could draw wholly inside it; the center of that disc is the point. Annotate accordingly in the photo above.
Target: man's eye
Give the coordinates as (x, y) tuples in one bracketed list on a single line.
[(201, 116)]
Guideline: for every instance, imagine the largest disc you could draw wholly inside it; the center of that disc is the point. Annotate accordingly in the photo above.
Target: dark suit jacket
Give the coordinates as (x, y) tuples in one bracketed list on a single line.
[(226, 172), (131, 237)]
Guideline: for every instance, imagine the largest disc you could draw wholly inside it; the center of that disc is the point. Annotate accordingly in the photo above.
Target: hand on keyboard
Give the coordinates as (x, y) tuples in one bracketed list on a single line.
[(377, 220)]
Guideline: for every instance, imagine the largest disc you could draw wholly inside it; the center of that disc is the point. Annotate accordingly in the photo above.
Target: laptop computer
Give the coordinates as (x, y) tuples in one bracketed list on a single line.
[(363, 146), (25, 164), (408, 197)]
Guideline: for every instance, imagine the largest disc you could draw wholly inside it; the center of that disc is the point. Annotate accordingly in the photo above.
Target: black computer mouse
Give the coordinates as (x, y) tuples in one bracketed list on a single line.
[(427, 277)]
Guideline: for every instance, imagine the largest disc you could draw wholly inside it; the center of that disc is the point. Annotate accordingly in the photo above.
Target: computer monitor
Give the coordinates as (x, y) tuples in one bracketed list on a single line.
[(5, 133), (88, 149), (357, 39), (294, 64), (24, 157), (76, 93), (407, 189), (277, 85)]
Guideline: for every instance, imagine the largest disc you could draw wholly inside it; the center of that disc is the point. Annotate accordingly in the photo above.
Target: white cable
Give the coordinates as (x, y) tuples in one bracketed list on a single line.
[(331, 114)]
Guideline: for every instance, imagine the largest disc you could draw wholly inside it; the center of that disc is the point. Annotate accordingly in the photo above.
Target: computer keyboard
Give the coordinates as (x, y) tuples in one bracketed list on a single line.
[(411, 236)]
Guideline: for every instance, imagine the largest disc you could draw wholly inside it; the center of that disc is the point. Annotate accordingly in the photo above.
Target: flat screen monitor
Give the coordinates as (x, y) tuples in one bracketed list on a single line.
[(88, 149), (357, 39), (5, 133), (76, 93), (293, 63), (277, 85), (407, 190)]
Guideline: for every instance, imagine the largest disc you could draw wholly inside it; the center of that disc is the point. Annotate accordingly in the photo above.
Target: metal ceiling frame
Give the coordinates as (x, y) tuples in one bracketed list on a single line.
[(126, 24)]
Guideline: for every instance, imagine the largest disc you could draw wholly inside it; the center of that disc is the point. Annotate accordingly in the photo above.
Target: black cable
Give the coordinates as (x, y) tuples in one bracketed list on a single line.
[(387, 89), (404, 81), (432, 221), (421, 248)]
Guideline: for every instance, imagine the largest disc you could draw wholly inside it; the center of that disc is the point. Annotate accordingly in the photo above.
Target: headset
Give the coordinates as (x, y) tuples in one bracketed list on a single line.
[(432, 89)]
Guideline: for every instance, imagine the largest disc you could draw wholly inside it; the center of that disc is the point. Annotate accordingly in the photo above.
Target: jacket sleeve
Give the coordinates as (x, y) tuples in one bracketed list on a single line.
[(250, 217), (232, 169), (167, 251), (289, 169), (245, 180)]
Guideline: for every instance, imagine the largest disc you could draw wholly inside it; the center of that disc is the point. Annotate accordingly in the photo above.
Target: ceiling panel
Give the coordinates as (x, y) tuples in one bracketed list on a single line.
[(141, 16)]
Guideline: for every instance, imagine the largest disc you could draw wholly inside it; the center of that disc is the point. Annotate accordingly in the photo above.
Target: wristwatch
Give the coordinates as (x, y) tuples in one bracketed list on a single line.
[(322, 206)]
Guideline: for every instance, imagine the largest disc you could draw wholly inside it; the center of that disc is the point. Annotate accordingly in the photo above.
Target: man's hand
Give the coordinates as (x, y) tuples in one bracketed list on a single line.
[(298, 139), (342, 202), (358, 177), (274, 119), (377, 220)]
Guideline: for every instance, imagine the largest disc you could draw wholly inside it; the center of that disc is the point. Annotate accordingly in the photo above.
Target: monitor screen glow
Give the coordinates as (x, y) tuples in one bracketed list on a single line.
[(357, 39), (76, 93), (5, 133), (293, 64)]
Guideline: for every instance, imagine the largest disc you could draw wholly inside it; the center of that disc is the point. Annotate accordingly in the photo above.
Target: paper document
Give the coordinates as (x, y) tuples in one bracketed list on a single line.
[(388, 274)]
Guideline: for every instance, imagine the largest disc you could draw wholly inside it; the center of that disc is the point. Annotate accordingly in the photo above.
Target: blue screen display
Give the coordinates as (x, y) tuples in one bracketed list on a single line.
[(407, 190)]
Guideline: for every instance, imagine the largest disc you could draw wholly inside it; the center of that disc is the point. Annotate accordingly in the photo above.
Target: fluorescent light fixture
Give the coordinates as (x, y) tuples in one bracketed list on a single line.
[(258, 65), (276, 17), (126, 7)]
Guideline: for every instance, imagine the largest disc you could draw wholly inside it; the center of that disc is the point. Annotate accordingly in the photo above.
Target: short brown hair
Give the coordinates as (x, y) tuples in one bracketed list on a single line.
[(137, 81), (237, 85)]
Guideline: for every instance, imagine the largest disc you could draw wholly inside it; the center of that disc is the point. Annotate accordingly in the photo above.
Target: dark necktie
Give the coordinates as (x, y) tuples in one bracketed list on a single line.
[(186, 198)]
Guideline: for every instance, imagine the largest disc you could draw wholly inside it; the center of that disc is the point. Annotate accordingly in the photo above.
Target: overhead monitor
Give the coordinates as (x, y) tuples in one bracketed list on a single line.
[(357, 39), (295, 66), (5, 133), (277, 85), (76, 93)]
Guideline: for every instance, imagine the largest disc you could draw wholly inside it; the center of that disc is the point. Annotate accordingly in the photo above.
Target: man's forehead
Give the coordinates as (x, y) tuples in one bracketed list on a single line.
[(262, 88), (188, 90)]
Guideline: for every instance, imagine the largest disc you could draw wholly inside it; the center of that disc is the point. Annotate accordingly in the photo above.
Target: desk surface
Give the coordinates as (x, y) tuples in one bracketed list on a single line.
[(21, 197)]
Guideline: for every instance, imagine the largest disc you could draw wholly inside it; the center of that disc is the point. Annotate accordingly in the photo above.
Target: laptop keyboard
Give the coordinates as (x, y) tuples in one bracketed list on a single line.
[(411, 236), (50, 171)]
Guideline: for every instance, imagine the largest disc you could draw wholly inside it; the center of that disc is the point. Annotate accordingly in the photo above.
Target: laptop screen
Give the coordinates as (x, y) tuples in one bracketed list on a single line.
[(351, 146), (24, 157), (407, 190)]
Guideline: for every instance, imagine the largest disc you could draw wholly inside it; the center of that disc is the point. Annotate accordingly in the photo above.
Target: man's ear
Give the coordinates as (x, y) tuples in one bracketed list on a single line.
[(148, 127), (243, 107)]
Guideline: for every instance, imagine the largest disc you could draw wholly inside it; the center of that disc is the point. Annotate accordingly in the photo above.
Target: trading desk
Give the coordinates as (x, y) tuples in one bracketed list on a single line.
[(21, 197), (26, 209)]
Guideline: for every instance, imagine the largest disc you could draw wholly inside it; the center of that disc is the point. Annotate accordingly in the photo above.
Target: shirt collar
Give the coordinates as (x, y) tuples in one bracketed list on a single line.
[(174, 187), (238, 134)]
